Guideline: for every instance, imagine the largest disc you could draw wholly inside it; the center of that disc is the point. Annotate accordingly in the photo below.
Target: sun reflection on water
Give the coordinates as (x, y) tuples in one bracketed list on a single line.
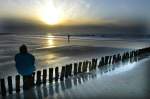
[(50, 41)]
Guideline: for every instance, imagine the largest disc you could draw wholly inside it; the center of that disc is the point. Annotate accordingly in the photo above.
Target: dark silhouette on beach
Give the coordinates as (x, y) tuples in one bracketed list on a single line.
[(68, 38), (25, 66)]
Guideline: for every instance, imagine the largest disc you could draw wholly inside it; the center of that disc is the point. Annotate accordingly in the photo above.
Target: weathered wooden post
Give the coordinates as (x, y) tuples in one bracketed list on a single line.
[(114, 59), (118, 58), (87, 64), (127, 55), (67, 71), (44, 76), (70, 70), (50, 75), (33, 78), (141, 52), (63, 69), (134, 52), (3, 87), (106, 60), (110, 58), (84, 68), (123, 57), (10, 86), (38, 82), (138, 52), (90, 66), (17, 83), (80, 67), (135, 56), (131, 56), (102, 61), (99, 65), (56, 74), (93, 63), (75, 68)]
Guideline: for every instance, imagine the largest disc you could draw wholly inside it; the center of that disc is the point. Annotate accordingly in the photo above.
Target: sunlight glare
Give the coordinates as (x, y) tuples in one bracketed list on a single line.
[(50, 41), (50, 14)]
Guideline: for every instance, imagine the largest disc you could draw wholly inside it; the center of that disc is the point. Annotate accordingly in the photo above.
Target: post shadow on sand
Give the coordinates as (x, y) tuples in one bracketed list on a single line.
[(30, 94), (51, 90), (62, 85)]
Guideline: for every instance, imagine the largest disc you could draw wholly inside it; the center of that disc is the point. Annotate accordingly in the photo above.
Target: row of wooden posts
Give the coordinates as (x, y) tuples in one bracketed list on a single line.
[(69, 70)]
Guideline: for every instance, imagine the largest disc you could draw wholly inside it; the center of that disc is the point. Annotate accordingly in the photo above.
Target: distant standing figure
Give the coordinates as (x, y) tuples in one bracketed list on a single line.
[(68, 38), (25, 65)]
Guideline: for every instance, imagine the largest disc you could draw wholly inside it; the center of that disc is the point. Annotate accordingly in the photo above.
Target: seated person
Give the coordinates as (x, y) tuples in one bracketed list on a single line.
[(25, 66)]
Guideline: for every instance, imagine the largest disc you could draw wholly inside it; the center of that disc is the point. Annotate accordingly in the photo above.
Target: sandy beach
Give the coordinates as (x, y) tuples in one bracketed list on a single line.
[(126, 81), (74, 49)]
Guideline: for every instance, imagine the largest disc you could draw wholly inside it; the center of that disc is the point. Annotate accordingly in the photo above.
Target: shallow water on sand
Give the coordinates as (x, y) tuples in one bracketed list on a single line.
[(51, 51)]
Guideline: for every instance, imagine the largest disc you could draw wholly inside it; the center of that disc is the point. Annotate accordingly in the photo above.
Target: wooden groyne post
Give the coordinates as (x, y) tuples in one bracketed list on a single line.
[(50, 75), (38, 81), (44, 76), (63, 70), (3, 87), (10, 86), (75, 68), (71, 69), (80, 67), (56, 74), (17, 83)]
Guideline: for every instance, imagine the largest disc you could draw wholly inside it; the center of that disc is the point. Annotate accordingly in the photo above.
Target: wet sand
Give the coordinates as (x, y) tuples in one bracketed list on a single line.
[(127, 81)]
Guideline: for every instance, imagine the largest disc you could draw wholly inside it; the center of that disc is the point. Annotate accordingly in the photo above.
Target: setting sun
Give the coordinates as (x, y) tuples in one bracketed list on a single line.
[(50, 14)]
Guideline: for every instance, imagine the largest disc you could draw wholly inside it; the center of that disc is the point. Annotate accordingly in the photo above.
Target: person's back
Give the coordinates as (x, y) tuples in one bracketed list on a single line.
[(25, 66), (25, 63)]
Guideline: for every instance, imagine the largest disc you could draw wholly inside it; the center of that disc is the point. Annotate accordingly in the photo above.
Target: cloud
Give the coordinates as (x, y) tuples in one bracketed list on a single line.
[(79, 9)]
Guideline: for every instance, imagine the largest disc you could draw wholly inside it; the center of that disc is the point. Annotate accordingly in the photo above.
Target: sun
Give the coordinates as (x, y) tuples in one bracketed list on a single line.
[(50, 17), (49, 14)]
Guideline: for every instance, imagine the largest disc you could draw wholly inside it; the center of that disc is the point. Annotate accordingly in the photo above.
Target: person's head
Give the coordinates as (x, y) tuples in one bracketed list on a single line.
[(23, 49)]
